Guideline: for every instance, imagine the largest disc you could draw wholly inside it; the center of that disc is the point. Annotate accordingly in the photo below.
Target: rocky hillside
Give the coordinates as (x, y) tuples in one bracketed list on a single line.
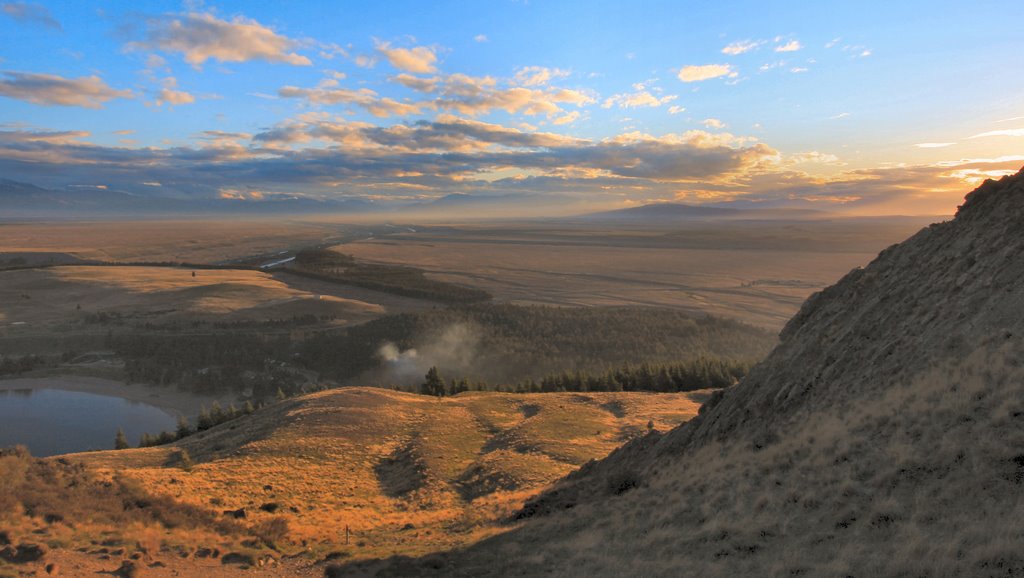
[(884, 436)]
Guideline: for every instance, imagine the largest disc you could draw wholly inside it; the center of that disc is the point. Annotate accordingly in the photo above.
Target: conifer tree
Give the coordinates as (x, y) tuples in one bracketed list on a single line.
[(433, 383), (184, 428), (120, 441), (203, 422)]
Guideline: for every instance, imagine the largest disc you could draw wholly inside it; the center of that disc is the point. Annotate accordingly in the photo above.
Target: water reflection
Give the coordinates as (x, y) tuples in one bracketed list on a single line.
[(55, 421)]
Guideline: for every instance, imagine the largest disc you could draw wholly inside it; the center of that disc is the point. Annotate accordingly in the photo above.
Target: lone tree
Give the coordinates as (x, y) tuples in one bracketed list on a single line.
[(433, 383), (120, 441)]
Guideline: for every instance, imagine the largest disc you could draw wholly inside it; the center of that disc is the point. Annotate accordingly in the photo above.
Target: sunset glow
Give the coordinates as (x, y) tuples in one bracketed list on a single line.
[(576, 106)]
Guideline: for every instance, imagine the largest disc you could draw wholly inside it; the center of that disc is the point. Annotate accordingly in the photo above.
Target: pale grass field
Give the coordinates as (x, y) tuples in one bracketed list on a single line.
[(407, 474), (53, 295), (759, 275)]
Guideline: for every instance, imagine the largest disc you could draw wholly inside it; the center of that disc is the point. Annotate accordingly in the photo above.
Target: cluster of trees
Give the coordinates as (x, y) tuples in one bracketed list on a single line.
[(213, 363), (15, 365), (529, 346), (407, 281), (700, 373), (512, 343), (207, 419)]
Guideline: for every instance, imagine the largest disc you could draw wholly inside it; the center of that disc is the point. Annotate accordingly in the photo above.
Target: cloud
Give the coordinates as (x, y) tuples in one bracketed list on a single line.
[(538, 75), (476, 95), (468, 95), (637, 99), (50, 89), (364, 61), (480, 38), (791, 46), (676, 109), (202, 36), (328, 92), (697, 73), (934, 145), (798, 69), (417, 83), (713, 123), (30, 13), (170, 95), (839, 116), (419, 59), (320, 154), (741, 47), (1004, 132), (567, 118)]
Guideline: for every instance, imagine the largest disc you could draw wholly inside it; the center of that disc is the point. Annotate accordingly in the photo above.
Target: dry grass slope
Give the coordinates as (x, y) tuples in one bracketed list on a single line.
[(406, 474)]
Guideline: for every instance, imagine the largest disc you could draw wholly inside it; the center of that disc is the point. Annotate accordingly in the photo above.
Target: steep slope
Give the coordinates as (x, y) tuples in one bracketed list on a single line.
[(883, 437)]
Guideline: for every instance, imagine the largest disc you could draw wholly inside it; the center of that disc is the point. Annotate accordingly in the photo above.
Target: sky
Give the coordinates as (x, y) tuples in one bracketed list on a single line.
[(859, 107)]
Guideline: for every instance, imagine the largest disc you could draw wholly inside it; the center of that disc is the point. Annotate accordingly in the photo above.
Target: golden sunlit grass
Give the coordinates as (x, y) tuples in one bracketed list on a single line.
[(405, 473)]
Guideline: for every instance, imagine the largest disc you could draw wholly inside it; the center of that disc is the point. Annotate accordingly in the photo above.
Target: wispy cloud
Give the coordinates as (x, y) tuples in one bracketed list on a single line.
[(203, 36), (30, 13), (934, 145), (742, 46), (697, 73), (713, 123), (480, 38), (1003, 132), (50, 89), (637, 99), (791, 46), (538, 75), (839, 116)]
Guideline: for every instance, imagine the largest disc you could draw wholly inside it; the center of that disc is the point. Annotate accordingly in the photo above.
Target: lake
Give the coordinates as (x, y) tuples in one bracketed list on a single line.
[(55, 421)]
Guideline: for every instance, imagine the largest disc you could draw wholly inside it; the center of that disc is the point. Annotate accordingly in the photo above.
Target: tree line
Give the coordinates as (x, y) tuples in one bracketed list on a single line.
[(696, 374)]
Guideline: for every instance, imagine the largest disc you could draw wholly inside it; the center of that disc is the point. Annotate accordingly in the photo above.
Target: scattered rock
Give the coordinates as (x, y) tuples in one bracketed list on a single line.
[(238, 558), (128, 569), (237, 514), (336, 555), (23, 554), (270, 507), (52, 569), (53, 518)]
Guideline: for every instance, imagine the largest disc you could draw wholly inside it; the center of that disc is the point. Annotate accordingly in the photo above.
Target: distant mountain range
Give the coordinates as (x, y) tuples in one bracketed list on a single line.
[(666, 212), (24, 200)]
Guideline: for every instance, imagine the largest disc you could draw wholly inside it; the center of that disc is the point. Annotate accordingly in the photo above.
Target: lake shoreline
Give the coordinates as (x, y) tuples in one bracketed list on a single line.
[(169, 399)]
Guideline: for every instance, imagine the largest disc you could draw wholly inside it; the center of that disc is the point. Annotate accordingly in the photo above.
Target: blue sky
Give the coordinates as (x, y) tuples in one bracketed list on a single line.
[(569, 104)]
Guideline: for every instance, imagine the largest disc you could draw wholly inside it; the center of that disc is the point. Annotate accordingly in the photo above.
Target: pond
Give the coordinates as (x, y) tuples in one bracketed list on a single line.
[(55, 421)]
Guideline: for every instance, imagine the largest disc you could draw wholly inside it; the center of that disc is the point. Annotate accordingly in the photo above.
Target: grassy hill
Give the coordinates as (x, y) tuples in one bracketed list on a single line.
[(406, 474)]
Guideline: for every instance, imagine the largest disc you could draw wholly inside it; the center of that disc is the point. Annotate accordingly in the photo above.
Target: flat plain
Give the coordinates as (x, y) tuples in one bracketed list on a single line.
[(757, 272)]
